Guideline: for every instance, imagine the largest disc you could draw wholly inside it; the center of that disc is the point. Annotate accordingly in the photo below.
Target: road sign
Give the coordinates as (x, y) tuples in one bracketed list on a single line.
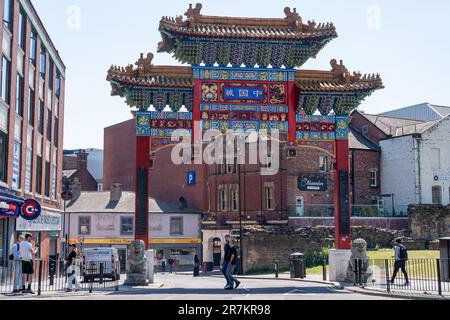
[(191, 178), (30, 210)]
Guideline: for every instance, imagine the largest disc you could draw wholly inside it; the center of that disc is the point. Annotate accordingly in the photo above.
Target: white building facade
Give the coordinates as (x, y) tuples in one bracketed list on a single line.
[(415, 168)]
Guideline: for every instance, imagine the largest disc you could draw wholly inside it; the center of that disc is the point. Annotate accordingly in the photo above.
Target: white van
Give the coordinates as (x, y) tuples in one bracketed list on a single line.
[(94, 257)]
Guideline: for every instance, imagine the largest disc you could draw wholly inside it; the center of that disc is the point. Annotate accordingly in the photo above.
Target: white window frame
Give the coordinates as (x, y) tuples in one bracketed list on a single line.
[(372, 184)]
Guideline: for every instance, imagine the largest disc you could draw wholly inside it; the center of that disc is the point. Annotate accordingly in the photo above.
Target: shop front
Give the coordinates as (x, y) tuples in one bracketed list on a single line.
[(11, 207), (46, 231)]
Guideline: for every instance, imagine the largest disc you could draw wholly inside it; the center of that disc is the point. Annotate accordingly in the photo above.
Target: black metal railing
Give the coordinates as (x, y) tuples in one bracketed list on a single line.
[(52, 275), (424, 276)]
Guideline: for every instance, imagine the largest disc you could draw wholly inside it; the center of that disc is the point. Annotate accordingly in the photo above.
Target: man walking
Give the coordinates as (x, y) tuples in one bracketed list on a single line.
[(17, 262), (226, 250), (27, 252), (71, 269), (400, 256), (231, 267)]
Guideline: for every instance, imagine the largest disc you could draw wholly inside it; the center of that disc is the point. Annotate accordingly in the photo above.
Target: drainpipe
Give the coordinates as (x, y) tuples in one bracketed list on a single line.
[(353, 175), (417, 138)]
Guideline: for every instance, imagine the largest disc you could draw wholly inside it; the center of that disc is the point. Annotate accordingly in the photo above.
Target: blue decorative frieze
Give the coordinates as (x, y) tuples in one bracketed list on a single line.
[(245, 125), (315, 118), (322, 136), (244, 74), (243, 108)]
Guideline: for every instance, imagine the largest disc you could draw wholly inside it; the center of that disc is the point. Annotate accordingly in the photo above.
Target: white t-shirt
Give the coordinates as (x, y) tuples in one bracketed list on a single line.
[(25, 253)]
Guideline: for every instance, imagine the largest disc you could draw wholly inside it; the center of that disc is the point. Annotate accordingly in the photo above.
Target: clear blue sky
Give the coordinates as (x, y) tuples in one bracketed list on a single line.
[(405, 41)]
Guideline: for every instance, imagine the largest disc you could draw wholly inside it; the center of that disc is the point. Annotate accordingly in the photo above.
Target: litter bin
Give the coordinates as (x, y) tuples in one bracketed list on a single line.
[(298, 266)]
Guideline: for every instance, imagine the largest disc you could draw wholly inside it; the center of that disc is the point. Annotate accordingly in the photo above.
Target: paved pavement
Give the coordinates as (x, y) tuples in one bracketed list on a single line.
[(185, 287)]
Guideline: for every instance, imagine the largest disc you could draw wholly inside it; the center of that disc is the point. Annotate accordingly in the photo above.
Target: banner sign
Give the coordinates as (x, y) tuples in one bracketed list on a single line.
[(45, 222)]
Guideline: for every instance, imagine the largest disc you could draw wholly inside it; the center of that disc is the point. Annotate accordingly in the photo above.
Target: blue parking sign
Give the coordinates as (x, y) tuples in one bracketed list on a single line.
[(191, 177)]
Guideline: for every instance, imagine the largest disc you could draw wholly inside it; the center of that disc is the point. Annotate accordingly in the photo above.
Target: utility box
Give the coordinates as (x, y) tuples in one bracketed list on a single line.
[(297, 265), (444, 244)]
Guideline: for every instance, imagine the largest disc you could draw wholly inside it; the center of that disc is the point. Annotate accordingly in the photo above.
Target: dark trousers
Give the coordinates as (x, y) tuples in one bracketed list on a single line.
[(400, 265)]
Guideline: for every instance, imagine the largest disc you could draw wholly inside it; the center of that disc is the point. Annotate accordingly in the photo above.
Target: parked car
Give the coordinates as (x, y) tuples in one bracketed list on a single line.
[(93, 258)]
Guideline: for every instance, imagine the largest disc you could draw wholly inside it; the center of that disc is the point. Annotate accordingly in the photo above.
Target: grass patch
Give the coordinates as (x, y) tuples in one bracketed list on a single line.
[(418, 254), (387, 254)]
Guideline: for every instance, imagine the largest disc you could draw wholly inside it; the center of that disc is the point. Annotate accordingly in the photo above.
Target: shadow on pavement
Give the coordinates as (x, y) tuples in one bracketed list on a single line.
[(239, 291)]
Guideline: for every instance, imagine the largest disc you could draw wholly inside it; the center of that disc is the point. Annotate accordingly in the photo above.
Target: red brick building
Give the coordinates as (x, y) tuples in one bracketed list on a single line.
[(31, 125), (217, 185), (75, 169)]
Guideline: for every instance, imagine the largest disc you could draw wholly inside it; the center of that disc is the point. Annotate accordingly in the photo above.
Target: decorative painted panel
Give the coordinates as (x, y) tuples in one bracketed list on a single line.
[(244, 74), (317, 131)]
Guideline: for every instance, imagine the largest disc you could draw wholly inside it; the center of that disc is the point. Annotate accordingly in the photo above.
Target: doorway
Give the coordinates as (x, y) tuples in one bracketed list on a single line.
[(300, 202), (217, 251)]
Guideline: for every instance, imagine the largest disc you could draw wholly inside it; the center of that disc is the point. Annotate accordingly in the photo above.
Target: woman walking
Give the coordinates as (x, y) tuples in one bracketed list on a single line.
[(196, 266)]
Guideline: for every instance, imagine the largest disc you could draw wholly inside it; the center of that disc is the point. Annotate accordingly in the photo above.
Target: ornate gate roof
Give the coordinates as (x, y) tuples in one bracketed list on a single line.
[(277, 42)]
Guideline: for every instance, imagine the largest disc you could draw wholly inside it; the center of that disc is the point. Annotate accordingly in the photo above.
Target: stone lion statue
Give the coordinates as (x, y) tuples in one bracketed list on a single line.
[(137, 264), (137, 261), (359, 253)]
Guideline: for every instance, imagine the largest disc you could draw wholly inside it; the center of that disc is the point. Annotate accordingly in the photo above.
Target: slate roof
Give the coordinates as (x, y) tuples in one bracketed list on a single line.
[(100, 202), (420, 112), (358, 142)]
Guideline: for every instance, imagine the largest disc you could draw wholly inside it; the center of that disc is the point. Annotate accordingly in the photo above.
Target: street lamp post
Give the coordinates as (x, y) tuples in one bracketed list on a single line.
[(66, 195), (241, 236)]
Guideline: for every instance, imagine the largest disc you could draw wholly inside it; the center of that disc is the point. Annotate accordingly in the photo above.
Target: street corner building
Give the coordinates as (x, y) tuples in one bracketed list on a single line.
[(31, 128), (241, 74), (107, 219)]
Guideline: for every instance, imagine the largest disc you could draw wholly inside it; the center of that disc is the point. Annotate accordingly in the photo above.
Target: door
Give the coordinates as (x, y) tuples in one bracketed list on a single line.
[(217, 252), (300, 206), (122, 258)]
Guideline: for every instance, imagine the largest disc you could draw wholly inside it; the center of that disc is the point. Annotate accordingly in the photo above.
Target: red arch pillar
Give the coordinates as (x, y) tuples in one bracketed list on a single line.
[(142, 194), (342, 210)]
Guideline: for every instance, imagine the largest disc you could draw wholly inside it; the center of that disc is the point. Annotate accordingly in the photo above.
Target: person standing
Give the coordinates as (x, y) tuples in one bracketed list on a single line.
[(27, 253), (231, 267), (400, 256), (196, 266), (163, 265), (170, 262), (71, 269), (17, 263), (226, 250)]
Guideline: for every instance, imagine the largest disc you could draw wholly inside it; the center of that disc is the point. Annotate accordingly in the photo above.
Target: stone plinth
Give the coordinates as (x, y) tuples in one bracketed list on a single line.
[(338, 264)]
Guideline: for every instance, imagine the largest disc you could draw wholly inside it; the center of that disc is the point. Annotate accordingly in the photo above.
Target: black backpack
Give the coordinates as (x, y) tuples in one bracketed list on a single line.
[(403, 255), (11, 256)]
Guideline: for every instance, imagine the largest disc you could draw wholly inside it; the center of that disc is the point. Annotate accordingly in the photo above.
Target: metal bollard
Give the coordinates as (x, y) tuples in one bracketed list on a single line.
[(324, 269), (101, 273), (438, 265), (40, 278), (386, 266), (91, 278)]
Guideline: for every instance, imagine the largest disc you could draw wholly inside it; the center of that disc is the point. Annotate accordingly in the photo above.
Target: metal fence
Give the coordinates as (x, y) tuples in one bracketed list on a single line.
[(424, 276), (357, 211), (52, 275)]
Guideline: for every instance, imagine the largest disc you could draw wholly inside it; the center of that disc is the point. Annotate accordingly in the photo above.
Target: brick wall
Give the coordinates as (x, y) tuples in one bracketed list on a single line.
[(361, 163), (382, 223), (358, 121), (265, 245), (119, 162)]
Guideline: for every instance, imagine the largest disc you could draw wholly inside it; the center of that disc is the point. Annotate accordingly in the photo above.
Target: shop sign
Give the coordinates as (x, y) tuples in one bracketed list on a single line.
[(312, 183), (45, 222)]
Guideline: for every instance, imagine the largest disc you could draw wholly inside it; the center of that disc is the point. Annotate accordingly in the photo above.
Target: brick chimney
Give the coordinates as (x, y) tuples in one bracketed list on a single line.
[(82, 156), (116, 192)]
